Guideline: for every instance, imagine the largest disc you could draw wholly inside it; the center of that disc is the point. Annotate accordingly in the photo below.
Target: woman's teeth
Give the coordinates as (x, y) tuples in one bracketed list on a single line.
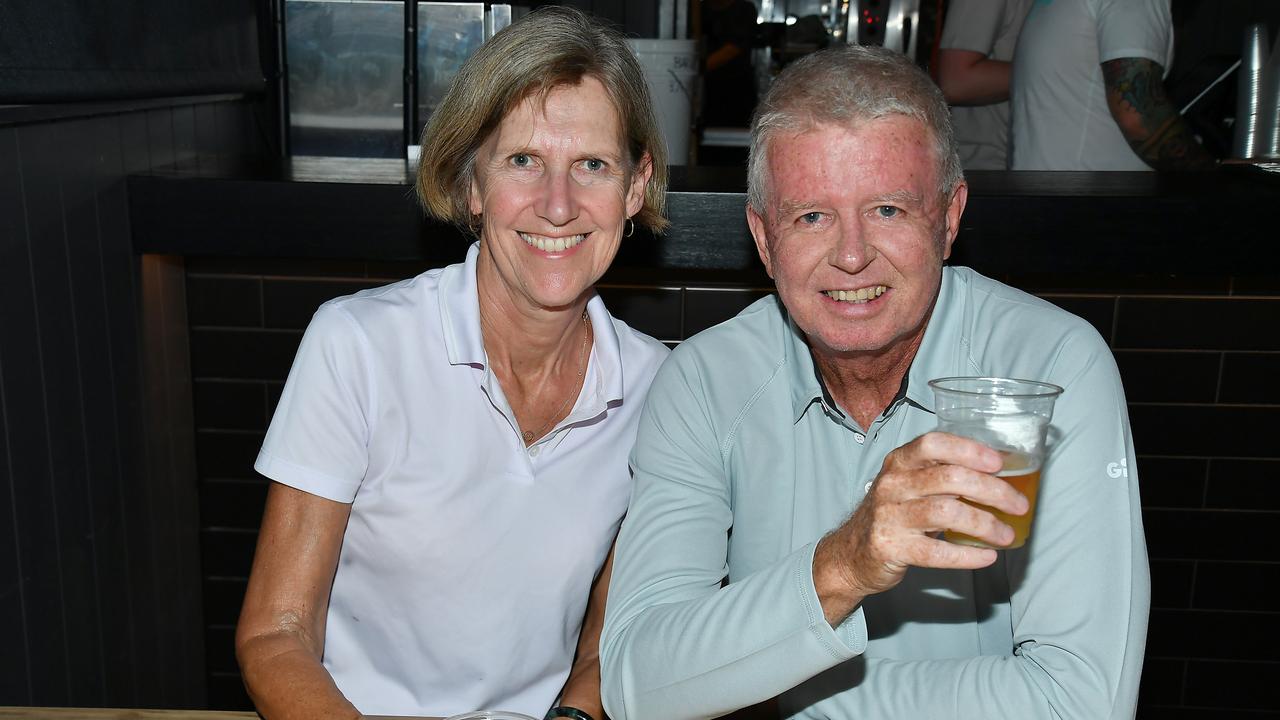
[(552, 244), (860, 295)]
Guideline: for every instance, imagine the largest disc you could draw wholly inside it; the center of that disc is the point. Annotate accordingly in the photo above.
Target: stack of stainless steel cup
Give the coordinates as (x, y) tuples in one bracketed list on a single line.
[(1257, 127)]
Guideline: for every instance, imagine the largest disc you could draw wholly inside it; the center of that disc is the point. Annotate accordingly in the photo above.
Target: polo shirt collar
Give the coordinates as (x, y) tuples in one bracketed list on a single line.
[(945, 342), (459, 299), (807, 387)]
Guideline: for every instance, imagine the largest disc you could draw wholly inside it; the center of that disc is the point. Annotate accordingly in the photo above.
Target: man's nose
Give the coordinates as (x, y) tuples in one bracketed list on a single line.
[(852, 251), (558, 202)]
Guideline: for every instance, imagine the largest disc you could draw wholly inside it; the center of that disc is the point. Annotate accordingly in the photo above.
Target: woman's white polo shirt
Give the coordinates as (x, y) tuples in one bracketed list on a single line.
[(467, 560)]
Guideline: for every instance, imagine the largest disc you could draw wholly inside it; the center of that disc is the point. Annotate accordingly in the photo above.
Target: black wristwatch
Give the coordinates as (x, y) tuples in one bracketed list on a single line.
[(564, 711)]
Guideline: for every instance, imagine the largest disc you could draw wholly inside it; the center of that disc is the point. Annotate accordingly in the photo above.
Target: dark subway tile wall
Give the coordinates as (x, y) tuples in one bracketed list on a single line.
[(1172, 482), (1227, 323), (1235, 483), (1195, 356)]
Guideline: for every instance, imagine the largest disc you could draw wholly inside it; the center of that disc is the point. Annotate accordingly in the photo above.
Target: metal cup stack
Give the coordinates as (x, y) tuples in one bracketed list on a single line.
[(1269, 110), (1257, 126)]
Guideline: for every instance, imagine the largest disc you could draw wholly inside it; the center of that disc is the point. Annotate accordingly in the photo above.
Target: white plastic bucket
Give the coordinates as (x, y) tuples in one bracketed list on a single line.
[(671, 69)]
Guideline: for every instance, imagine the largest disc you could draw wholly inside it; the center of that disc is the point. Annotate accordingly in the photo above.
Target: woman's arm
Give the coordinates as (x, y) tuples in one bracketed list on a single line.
[(280, 636), (582, 689)]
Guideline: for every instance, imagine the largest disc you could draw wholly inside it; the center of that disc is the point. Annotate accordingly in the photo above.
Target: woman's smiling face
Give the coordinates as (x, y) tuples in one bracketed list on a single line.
[(553, 188)]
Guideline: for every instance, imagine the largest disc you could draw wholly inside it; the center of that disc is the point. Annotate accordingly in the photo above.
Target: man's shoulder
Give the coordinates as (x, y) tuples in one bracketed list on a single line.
[(731, 361), (1007, 325), (760, 329), (995, 302)]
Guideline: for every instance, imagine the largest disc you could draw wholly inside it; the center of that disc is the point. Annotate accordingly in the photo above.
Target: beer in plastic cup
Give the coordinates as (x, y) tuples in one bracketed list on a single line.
[(1010, 416)]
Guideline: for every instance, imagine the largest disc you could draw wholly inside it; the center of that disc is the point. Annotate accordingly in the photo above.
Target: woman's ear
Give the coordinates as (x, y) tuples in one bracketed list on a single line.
[(639, 183)]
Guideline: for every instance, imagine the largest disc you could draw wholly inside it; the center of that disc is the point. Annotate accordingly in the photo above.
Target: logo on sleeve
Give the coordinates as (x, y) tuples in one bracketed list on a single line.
[(1118, 469)]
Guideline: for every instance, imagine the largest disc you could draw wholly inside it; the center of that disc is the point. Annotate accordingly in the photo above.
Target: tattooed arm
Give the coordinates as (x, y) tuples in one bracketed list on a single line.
[(1147, 118)]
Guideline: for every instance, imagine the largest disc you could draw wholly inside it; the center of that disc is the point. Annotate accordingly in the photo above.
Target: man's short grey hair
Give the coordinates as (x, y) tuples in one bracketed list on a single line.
[(848, 85)]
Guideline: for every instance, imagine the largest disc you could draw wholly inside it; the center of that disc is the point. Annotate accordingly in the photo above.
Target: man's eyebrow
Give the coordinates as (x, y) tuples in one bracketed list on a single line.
[(902, 197), (787, 207)]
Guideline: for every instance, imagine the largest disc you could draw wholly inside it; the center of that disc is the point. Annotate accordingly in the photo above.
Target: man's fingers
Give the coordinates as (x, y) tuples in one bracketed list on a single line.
[(950, 481), (939, 448), (935, 553), (941, 513)]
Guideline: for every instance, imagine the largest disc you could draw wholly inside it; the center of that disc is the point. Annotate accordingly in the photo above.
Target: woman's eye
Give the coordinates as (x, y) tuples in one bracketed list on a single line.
[(521, 160), (594, 164), (887, 211)]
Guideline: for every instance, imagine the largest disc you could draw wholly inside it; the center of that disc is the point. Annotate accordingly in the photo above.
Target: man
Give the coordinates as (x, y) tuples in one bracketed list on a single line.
[(974, 65), (729, 83), (1088, 90), (782, 534)]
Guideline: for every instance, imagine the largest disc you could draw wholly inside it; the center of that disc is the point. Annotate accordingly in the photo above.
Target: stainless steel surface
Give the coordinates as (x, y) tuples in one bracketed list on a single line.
[(345, 66), (1249, 91), (496, 18), (903, 26)]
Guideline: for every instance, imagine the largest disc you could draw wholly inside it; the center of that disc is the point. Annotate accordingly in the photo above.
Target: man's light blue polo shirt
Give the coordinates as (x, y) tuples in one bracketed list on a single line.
[(742, 463)]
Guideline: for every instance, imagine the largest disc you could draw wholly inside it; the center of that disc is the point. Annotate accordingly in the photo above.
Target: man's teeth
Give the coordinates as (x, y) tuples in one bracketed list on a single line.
[(860, 295), (547, 244)]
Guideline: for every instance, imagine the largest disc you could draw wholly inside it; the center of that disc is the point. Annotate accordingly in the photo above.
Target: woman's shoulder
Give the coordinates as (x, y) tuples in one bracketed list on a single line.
[(638, 350), (395, 309)]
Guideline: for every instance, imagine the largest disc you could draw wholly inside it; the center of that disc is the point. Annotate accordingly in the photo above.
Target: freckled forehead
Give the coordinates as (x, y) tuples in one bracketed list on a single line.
[(890, 157)]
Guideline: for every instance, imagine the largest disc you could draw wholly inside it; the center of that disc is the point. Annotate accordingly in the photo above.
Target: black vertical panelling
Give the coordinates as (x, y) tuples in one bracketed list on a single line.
[(184, 134), (93, 321), (169, 562), (121, 286), (119, 360), (37, 492), (206, 147), (81, 343), (160, 137), (99, 586), (15, 669)]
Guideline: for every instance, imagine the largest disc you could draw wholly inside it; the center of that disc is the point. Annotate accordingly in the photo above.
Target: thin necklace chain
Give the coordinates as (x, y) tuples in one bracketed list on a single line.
[(531, 435)]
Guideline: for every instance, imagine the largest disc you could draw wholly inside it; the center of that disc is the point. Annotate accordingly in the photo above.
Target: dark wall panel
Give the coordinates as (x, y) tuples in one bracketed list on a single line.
[(15, 670), (99, 563), (70, 50)]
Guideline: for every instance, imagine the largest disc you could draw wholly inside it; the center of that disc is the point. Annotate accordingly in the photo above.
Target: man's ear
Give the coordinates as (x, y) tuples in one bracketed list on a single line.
[(955, 208), (759, 231)]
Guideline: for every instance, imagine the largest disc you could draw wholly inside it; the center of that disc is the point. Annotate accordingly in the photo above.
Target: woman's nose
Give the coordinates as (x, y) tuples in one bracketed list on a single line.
[(558, 202)]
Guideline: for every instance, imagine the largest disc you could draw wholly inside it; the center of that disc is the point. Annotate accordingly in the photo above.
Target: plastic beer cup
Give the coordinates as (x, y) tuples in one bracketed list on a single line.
[(1010, 416)]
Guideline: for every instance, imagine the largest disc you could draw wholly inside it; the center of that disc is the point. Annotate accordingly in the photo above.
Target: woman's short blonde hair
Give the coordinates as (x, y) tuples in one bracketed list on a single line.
[(548, 48)]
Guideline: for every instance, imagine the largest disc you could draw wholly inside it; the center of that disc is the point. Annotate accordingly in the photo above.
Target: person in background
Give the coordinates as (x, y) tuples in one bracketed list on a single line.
[(974, 64), (728, 83), (1088, 90), (782, 536), (449, 453)]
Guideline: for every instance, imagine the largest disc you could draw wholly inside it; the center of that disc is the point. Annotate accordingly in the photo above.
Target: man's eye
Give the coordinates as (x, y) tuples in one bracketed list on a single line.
[(521, 160), (594, 164), (887, 211), (811, 218)]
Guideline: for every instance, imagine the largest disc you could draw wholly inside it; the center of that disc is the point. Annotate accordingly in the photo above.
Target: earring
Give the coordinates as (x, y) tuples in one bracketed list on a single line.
[(631, 228)]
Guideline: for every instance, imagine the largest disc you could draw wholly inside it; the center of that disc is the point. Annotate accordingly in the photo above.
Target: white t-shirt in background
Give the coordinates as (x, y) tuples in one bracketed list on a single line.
[(1058, 96), (989, 27)]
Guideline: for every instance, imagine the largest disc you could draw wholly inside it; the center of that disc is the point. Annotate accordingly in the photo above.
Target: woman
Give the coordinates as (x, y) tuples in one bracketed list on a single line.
[(450, 451)]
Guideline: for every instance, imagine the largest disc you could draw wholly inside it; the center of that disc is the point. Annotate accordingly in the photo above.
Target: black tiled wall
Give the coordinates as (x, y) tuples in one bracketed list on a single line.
[(1197, 355)]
